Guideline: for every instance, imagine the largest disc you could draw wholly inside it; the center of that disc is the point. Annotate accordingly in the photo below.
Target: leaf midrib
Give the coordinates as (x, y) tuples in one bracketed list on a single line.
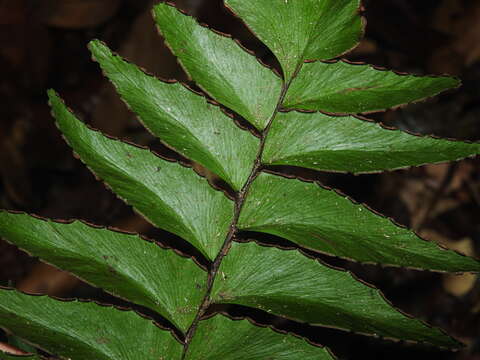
[(239, 201)]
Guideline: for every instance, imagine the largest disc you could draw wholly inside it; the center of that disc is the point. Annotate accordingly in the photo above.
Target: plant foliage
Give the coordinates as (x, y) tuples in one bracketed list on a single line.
[(306, 118)]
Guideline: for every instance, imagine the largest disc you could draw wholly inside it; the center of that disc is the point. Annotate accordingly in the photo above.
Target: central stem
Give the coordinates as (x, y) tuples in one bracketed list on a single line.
[(239, 201)]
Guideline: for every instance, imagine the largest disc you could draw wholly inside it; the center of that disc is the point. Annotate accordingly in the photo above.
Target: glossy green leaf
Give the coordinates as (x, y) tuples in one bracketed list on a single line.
[(176, 199), (171, 196), (182, 119), (220, 66), (82, 331), (303, 289), (342, 87), (322, 142), (322, 220), (222, 338), (302, 30), (122, 264)]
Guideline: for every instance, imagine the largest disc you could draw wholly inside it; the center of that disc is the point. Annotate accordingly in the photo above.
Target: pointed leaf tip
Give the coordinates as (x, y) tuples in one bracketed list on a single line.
[(347, 88), (170, 195), (322, 220), (296, 31), (182, 119), (303, 289), (220, 66), (348, 144)]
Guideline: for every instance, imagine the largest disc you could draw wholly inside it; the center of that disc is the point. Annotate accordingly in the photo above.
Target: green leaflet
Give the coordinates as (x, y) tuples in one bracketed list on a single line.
[(342, 87), (301, 288), (182, 119), (122, 264), (174, 198), (82, 331), (302, 30), (322, 220), (171, 196), (222, 338), (220, 66), (349, 144)]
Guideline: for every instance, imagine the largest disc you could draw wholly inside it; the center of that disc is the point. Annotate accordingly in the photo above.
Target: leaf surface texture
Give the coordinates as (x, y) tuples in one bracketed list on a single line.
[(82, 331), (221, 67), (171, 196), (286, 283), (322, 220), (222, 338), (302, 30), (347, 144), (122, 264), (182, 119), (342, 87), (302, 34)]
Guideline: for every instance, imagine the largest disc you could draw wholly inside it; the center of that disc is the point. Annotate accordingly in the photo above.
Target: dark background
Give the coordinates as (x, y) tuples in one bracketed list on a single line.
[(43, 45)]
